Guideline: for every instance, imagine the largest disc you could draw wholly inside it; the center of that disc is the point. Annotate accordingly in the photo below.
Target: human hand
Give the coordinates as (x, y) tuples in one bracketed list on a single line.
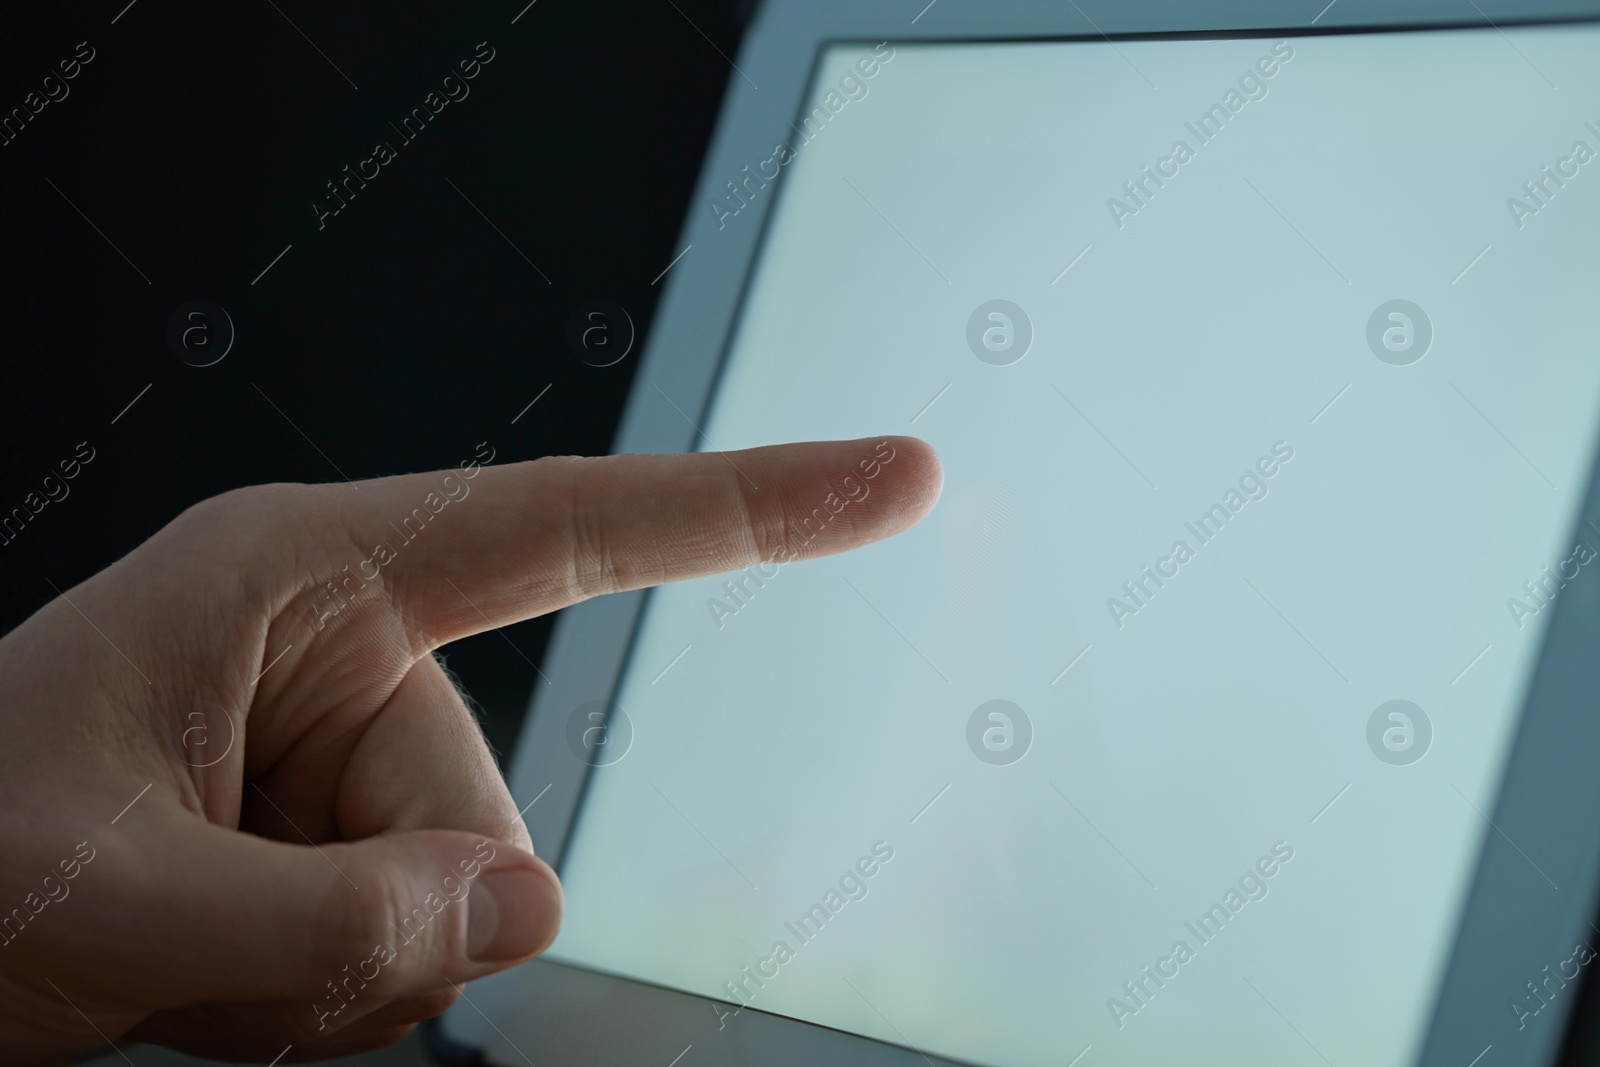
[(244, 808)]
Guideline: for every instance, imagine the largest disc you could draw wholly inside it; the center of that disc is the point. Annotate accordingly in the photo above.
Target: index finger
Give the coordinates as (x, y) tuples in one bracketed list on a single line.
[(475, 549)]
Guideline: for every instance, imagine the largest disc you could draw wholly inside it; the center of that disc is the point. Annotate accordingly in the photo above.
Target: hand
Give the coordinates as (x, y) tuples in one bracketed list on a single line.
[(245, 808)]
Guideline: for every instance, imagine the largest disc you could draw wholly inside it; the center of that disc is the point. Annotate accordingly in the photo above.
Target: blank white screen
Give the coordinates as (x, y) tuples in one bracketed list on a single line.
[(1221, 317)]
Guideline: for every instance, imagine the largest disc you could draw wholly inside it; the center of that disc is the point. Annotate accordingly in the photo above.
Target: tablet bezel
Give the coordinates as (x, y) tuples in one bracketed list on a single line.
[(569, 1014)]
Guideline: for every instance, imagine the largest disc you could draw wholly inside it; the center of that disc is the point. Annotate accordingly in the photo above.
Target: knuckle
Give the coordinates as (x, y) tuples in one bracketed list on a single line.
[(590, 567), (394, 938), (356, 941), (250, 522), (768, 526), (227, 507)]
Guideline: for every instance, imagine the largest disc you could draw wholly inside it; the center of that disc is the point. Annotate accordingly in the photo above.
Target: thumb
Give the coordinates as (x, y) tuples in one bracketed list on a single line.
[(332, 930)]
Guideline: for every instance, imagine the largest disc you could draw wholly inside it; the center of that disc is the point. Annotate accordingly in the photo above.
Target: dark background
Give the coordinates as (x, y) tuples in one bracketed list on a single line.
[(395, 338)]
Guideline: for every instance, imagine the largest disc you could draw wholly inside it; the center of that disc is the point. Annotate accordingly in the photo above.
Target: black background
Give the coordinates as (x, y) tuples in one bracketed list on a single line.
[(394, 338)]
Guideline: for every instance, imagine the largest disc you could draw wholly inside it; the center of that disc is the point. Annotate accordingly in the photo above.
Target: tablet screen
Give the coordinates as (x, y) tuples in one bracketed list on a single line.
[(1262, 372)]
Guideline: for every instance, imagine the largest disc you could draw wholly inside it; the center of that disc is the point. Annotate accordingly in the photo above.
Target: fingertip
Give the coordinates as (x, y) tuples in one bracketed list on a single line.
[(901, 477), (919, 474), (841, 495), (514, 911), (557, 901)]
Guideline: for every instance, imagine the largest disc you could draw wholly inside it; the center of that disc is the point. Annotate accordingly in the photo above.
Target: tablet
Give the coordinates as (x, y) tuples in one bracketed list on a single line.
[(1236, 704)]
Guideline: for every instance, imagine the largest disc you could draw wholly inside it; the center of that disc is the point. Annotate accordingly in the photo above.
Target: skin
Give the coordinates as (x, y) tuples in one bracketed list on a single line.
[(297, 788)]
